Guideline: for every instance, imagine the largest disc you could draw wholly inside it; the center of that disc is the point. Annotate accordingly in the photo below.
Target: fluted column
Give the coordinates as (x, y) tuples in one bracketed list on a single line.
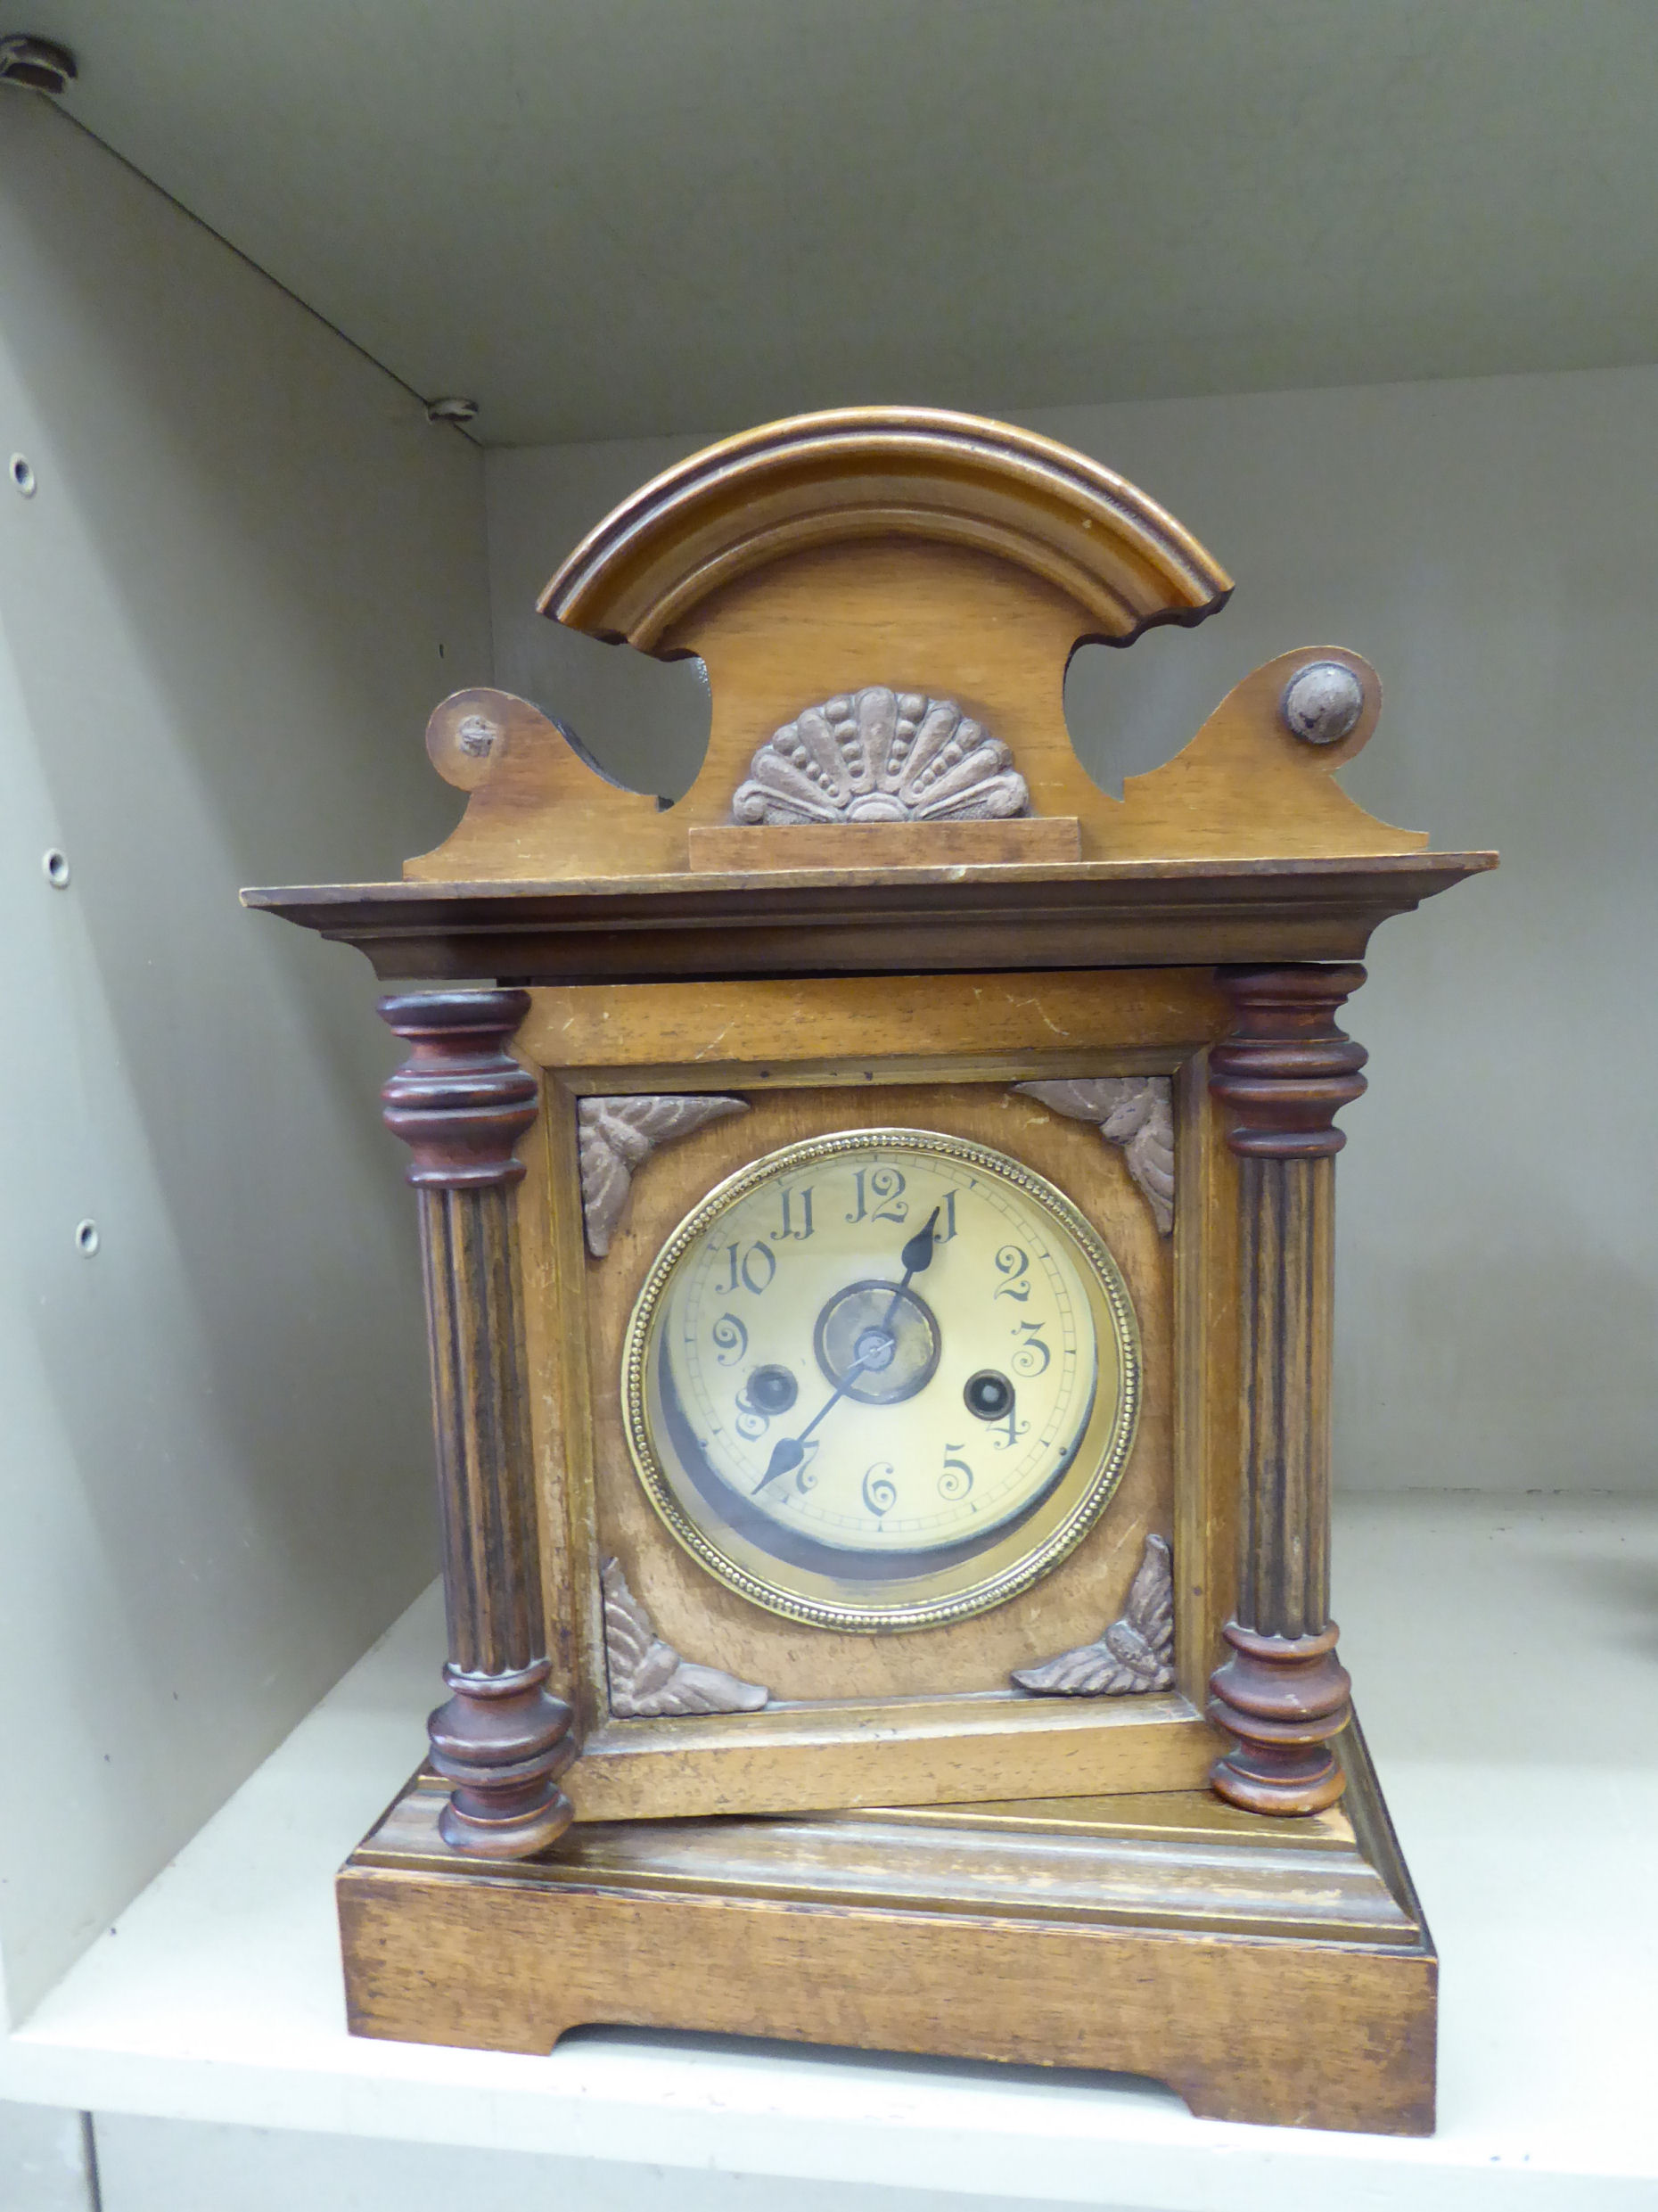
[(461, 1103), (1285, 1073)]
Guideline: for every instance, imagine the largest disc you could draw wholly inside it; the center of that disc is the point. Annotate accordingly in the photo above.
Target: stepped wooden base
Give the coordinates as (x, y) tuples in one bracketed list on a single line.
[(1268, 1970)]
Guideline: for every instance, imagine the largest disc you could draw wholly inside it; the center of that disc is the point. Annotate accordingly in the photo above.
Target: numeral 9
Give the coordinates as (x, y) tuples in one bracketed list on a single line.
[(731, 1339)]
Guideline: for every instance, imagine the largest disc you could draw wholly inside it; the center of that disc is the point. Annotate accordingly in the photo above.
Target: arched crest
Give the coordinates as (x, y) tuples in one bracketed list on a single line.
[(885, 600), (884, 474)]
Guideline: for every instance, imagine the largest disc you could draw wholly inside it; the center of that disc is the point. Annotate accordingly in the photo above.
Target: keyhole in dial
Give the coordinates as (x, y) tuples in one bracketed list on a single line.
[(772, 1390), (989, 1394)]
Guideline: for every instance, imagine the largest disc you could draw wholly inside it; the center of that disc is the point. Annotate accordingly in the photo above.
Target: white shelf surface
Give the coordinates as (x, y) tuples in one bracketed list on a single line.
[(1505, 1651)]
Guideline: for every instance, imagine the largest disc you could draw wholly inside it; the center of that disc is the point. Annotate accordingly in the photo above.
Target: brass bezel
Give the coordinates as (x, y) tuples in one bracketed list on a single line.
[(1018, 1559)]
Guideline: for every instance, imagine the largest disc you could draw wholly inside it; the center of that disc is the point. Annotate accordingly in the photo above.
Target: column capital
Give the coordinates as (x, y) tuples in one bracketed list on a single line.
[(460, 1101), (1286, 1071)]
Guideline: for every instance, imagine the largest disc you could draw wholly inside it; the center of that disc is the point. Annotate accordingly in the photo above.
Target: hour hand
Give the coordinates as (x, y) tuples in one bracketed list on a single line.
[(789, 1451), (786, 1455)]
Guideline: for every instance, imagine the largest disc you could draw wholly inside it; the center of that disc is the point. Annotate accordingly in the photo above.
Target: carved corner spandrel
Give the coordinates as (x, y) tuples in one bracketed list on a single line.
[(649, 1680), (616, 1136), (1135, 1112), (1135, 1654)]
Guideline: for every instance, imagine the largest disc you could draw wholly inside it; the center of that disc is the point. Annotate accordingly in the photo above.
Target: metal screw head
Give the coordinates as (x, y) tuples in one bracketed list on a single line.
[(1322, 702), (38, 64), (87, 1238), (22, 476), (451, 410), (55, 867), (476, 736)]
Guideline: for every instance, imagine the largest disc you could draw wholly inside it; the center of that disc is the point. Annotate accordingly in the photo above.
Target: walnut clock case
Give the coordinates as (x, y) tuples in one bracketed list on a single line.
[(877, 1239)]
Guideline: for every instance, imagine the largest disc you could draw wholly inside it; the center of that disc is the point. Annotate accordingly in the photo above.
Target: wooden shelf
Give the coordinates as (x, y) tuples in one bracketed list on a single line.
[(1529, 1802)]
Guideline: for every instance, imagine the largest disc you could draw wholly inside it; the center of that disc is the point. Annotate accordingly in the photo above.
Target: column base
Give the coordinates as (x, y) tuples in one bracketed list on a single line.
[(502, 1741), (1284, 1698)]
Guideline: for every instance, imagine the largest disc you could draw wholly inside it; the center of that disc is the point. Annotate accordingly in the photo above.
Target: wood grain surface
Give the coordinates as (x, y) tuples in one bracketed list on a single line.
[(1279, 1972), (928, 1032), (680, 926), (881, 473), (954, 557), (884, 844), (773, 1028), (1245, 787), (1271, 1969)]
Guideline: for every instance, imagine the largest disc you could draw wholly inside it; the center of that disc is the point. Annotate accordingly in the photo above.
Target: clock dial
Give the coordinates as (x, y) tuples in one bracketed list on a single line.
[(882, 1378)]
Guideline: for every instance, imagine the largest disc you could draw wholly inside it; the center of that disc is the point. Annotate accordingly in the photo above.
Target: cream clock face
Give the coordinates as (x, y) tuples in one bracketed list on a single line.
[(881, 1380)]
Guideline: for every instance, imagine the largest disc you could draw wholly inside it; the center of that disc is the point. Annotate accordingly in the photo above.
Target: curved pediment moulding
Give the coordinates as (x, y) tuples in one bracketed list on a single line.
[(903, 553), (873, 473)]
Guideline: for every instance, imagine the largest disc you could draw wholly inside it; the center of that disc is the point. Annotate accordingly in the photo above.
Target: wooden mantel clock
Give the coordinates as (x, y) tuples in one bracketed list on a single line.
[(877, 1233)]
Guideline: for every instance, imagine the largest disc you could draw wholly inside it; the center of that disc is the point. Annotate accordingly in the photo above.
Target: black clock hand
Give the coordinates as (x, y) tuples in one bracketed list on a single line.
[(917, 1256), (788, 1451)]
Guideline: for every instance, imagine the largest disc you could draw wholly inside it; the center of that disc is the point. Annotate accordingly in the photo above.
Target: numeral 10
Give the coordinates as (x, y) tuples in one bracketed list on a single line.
[(752, 1271)]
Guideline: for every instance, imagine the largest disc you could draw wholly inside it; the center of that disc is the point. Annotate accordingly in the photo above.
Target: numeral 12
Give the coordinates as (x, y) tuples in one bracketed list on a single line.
[(886, 1187)]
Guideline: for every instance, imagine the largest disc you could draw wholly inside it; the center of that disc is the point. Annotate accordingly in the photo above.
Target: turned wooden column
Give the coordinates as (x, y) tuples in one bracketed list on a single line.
[(461, 1103), (1286, 1072)]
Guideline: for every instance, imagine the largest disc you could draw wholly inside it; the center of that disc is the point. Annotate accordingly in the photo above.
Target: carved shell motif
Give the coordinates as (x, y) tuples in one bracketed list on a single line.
[(1137, 1652), (878, 755), (648, 1678)]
